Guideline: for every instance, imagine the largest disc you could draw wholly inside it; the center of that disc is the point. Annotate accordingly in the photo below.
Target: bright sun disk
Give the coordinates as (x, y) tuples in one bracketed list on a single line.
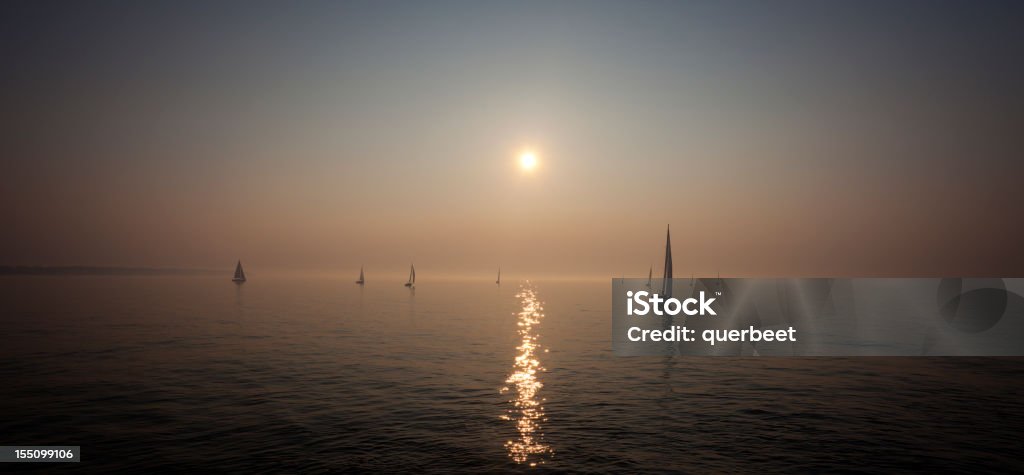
[(527, 161)]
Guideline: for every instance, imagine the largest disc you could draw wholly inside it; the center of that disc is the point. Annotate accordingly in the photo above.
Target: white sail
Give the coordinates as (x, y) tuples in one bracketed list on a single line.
[(239, 273)]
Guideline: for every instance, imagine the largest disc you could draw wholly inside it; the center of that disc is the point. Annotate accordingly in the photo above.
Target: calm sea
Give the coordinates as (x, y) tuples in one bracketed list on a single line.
[(315, 374)]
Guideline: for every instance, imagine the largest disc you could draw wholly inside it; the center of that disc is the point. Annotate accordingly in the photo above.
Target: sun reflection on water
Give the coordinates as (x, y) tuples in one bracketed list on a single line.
[(527, 410)]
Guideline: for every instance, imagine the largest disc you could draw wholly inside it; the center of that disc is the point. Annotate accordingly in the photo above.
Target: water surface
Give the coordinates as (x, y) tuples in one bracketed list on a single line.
[(314, 373)]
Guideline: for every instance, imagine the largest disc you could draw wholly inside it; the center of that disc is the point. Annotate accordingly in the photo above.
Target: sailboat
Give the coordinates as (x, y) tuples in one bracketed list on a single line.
[(499, 277), (412, 276), (362, 280), (650, 275), (666, 290), (239, 273)]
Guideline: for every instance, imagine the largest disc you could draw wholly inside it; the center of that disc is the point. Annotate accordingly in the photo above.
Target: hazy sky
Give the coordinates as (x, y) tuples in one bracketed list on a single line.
[(778, 138)]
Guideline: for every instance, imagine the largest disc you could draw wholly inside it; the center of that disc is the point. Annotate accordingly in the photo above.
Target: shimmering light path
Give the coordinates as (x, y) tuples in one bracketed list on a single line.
[(526, 406)]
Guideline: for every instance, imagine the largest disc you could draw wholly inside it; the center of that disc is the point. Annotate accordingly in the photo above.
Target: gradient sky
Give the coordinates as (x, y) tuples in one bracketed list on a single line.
[(778, 138)]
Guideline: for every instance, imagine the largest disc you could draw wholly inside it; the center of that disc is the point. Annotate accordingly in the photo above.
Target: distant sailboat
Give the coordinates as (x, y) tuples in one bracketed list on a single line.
[(412, 276), (499, 277), (239, 273), (666, 290), (650, 276), (362, 280)]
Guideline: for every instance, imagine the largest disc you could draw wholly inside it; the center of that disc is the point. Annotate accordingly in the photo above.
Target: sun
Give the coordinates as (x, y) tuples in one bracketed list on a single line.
[(527, 161)]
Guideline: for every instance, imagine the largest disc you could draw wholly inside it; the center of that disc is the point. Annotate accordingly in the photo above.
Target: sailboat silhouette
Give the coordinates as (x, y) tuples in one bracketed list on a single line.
[(412, 276), (362, 280), (666, 289), (239, 273), (499, 276)]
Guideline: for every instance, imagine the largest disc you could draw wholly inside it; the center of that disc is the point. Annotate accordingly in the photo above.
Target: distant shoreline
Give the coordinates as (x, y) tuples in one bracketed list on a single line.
[(96, 270)]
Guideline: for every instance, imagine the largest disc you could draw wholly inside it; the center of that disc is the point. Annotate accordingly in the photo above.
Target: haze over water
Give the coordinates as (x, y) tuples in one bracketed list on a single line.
[(796, 138), (313, 373)]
